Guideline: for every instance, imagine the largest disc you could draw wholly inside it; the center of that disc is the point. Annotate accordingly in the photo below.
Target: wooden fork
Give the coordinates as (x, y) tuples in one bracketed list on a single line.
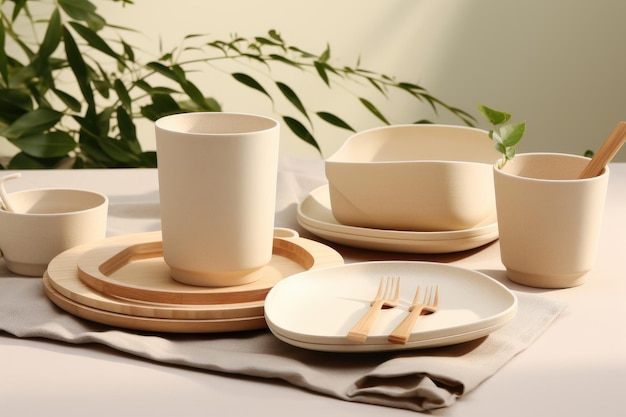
[(428, 305), (389, 287)]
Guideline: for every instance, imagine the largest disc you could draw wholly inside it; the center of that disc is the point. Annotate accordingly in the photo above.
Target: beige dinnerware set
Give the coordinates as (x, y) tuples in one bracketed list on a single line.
[(219, 264)]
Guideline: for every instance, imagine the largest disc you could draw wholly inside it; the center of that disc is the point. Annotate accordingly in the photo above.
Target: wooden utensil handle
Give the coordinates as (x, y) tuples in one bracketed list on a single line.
[(360, 330), (403, 330), (606, 152)]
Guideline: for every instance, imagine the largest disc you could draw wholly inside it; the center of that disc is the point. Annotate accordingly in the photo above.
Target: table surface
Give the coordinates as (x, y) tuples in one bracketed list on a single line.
[(576, 368)]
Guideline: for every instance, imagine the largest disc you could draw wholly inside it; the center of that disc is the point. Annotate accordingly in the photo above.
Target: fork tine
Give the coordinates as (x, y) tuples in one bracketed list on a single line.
[(381, 288), (428, 304), (388, 287), (428, 298), (416, 296), (391, 288), (436, 302), (396, 297)]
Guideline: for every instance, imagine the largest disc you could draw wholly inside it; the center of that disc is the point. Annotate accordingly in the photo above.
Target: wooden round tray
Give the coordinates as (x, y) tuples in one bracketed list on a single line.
[(69, 292), (152, 324), (134, 269)]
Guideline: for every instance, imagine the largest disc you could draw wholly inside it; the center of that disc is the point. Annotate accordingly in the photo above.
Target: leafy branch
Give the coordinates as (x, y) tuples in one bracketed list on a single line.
[(76, 95), (504, 136)]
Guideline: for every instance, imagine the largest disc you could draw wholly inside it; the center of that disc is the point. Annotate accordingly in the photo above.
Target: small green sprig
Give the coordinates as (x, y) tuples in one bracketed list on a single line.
[(504, 136)]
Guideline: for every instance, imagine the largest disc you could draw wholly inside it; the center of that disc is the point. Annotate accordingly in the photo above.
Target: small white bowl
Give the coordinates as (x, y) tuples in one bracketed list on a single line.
[(413, 177)]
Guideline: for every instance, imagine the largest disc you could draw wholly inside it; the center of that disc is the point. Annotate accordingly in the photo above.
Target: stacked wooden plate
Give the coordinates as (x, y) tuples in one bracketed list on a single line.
[(124, 282)]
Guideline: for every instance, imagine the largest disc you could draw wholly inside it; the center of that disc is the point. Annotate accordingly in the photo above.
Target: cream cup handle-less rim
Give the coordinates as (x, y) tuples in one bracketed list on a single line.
[(58, 227)]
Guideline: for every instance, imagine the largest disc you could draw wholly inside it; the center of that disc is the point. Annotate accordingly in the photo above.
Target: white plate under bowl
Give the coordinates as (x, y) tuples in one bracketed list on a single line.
[(316, 309), (315, 215)]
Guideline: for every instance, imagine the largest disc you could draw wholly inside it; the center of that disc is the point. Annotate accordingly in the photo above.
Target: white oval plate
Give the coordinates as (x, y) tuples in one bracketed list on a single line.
[(315, 215), (316, 309)]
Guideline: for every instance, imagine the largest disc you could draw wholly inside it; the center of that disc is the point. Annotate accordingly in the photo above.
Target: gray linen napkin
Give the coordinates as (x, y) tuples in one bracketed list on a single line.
[(418, 380)]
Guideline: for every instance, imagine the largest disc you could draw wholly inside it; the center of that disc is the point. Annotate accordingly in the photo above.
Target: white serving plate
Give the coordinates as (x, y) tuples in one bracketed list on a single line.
[(315, 215), (316, 309)]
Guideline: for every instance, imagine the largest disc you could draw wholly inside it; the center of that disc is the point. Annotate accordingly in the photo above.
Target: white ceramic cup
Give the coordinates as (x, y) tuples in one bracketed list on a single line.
[(217, 183), (45, 223), (549, 221)]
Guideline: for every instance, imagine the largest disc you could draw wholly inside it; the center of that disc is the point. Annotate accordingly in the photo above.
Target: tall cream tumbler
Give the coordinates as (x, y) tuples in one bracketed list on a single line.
[(217, 184)]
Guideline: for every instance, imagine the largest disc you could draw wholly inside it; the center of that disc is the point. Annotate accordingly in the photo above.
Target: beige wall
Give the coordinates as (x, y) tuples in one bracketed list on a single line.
[(558, 64)]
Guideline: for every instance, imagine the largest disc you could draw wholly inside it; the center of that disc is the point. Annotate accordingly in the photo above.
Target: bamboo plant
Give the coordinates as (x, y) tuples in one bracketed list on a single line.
[(91, 120)]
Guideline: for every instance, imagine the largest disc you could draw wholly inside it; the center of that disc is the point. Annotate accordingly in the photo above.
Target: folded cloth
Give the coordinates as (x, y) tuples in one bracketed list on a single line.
[(418, 380)]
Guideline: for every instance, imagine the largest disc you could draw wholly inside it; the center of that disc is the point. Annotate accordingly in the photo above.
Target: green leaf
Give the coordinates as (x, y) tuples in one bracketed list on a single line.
[(128, 131), (189, 106), (24, 161), (128, 51), (410, 87), (303, 54), (162, 105), (377, 86), (83, 10), (51, 39), (122, 93), (301, 131), (14, 103), (148, 159), (284, 60), (46, 145), (95, 41), (4, 72), (103, 121), (195, 94), (19, 5), (34, 122), (510, 153), (250, 82), (321, 70), (154, 90), (368, 105), (334, 120), (325, 55), (292, 97), (265, 41), (77, 9), (102, 87), (163, 70), (275, 35), (494, 117), (512, 133), (67, 99), (79, 68), (118, 151)]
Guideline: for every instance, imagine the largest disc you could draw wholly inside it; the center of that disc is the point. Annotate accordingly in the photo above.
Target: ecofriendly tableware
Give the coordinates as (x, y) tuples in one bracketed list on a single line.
[(153, 301), (315, 215), (217, 181), (413, 177), (46, 222), (316, 309), (548, 218), (427, 305), (387, 296)]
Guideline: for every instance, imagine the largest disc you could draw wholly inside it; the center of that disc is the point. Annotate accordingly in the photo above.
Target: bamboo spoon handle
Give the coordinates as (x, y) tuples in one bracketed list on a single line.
[(606, 152)]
